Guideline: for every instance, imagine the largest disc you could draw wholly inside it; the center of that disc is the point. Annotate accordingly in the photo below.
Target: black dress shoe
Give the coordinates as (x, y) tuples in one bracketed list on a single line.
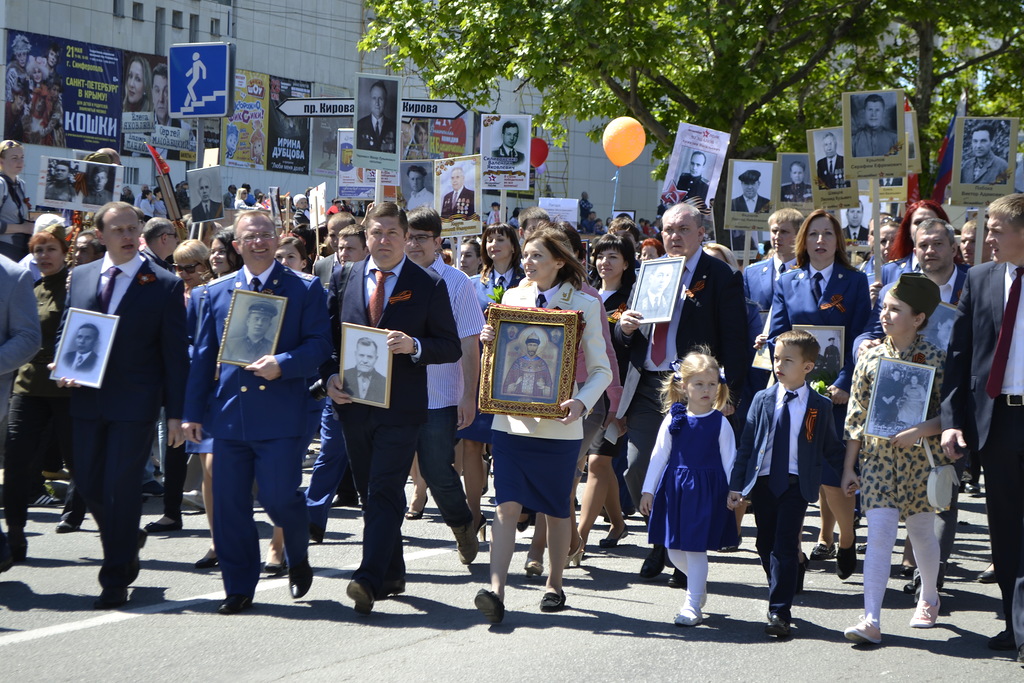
[(777, 626), (1002, 642), (234, 604), (207, 563), (111, 598), (987, 576), (66, 527), (846, 562), (677, 580), (389, 588), (300, 578), (17, 545), (143, 535), (491, 605), (801, 571), (654, 564), (316, 533), (6, 561), (553, 602), (275, 570), (1020, 655), (162, 527), (361, 595)]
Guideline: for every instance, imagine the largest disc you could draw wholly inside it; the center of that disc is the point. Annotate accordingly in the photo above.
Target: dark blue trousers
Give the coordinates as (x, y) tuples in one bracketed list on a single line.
[(276, 467), (779, 519), (329, 468)]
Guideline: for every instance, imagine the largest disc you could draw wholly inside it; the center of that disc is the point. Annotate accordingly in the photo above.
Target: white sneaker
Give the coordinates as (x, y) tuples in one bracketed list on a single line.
[(925, 615), (688, 617), (864, 632)]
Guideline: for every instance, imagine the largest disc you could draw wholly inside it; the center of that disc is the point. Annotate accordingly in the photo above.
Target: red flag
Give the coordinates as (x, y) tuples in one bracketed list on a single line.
[(161, 165)]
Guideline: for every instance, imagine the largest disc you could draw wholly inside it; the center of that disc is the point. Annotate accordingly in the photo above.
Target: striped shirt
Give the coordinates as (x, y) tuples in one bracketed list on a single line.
[(444, 382)]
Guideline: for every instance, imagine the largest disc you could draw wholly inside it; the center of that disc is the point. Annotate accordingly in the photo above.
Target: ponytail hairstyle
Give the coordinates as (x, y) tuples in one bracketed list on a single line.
[(673, 389)]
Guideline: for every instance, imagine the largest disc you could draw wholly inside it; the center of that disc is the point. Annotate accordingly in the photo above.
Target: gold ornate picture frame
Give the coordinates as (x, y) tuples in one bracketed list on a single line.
[(529, 369)]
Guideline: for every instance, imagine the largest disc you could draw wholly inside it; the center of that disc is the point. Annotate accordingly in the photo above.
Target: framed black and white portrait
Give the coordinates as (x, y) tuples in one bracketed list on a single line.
[(940, 325), (831, 355), (416, 181), (76, 184), (366, 364), (874, 134), (899, 397), (85, 347), (252, 328), (984, 159), (657, 289), (505, 147), (378, 113), (206, 194), (795, 181)]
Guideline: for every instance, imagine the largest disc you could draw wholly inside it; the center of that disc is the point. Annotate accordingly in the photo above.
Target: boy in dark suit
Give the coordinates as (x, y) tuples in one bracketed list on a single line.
[(789, 434)]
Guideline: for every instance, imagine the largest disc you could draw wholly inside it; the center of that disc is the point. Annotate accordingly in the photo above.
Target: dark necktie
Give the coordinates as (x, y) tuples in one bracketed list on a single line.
[(994, 387), (108, 289), (778, 474), (501, 280), (541, 301), (831, 170), (816, 287), (782, 268), (256, 285), (377, 298)]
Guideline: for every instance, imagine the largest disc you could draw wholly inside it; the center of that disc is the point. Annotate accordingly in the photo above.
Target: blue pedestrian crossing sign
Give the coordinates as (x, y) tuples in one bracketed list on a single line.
[(200, 79)]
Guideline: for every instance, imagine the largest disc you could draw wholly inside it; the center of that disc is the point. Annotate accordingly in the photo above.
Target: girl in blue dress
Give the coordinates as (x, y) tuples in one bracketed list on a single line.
[(686, 488)]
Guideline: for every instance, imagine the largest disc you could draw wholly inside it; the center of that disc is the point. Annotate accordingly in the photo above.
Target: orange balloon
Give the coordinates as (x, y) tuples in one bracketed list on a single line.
[(624, 140)]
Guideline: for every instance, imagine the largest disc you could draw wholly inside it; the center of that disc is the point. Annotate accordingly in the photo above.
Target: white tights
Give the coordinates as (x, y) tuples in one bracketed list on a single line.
[(695, 566), (882, 526)]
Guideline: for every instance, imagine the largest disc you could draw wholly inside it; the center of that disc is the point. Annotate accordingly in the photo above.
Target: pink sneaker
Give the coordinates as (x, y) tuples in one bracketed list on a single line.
[(864, 632), (925, 615)]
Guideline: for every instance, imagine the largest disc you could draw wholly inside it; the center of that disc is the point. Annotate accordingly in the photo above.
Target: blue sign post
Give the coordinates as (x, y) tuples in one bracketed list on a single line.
[(200, 80)]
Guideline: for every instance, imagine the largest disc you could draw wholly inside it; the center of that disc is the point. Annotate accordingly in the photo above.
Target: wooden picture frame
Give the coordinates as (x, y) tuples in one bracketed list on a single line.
[(238, 345), (656, 294), (831, 339), (366, 364), (90, 334), (519, 377), (900, 395)]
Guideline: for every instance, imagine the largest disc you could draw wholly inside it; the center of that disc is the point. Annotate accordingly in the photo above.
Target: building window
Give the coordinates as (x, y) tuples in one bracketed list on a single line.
[(137, 11), (118, 8), (131, 175), (159, 44), (177, 19), (193, 28), (214, 27)]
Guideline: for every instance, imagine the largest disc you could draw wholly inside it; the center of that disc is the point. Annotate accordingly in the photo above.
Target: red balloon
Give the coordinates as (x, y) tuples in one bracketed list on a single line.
[(538, 152)]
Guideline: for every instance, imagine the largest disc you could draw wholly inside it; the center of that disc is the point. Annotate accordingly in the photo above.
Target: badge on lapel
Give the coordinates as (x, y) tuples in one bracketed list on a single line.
[(145, 278)]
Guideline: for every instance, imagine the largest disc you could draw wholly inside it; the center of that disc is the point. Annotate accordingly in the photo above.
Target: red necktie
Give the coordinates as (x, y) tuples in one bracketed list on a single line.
[(1002, 354), (659, 345), (377, 298)]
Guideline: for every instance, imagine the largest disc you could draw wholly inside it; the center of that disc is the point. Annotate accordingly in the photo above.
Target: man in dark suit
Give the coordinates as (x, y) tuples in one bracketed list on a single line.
[(509, 138), (693, 183), (831, 172), (710, 304), (460, 201), (206, 209), (390, 292), (983, 400), (782, 487), (258, 414), (114, 426), (83, 357), (161, 240), (855, 230), (362, 379), (376, 132), (750, 201), (343, 242)]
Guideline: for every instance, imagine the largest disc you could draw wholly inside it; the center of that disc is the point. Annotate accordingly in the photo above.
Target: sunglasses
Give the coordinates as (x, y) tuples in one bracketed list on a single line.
[(190, 269)]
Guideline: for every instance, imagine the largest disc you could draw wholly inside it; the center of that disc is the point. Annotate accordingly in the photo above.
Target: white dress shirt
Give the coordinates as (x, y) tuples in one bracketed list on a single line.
[(1013, 380), (797, 409), (128, 272)]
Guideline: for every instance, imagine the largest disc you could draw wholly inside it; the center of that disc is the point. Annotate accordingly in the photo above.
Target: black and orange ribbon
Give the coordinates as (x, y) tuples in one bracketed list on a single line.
[(837, 303), (404, 295), (812, 417)]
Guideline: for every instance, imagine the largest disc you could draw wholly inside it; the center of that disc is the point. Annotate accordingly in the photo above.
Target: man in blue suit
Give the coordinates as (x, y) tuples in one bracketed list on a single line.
[(759, 278), (114, 425), (789, 434), (390, 292), (258, 414)]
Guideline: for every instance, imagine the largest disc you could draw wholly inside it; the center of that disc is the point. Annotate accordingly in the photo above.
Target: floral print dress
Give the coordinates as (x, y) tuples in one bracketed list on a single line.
[(892, 477)]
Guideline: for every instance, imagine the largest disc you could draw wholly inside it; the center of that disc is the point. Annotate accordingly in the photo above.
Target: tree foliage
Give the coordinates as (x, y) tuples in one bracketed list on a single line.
[(762, 70)]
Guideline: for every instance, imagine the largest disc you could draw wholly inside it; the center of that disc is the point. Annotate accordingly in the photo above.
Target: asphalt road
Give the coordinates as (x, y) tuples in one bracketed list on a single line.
[(618, 627)]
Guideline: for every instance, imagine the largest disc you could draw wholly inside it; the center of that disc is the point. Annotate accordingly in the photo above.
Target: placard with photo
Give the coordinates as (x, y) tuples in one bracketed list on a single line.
[(794, 182), (416, 184), (505, 148), (561, 209), (899, 397), (751, 191), (366, 364), (829, 184), (913, 149), (696, 164), (457, 195), (206, 193), (77, 185), (85, 347), (984, 159), (252, 328), (940, 325), (832, 343), (889, 189), (855, 221), (378, 113), (874, 133), (656, 293)]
